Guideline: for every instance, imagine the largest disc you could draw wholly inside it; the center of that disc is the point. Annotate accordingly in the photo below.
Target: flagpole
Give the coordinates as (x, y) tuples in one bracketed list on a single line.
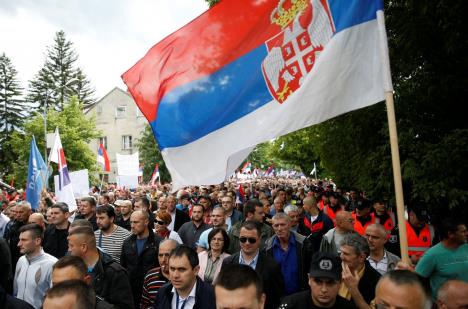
[(387, 79), (100, 187)]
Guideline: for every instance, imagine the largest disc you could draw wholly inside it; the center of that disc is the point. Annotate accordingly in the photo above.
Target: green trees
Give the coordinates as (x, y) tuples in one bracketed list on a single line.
[(75, 132), (59, 79), (11, 109), (150, 155)]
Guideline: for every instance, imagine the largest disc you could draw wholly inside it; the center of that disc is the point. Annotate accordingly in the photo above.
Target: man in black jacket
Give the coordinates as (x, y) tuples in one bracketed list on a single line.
[(109, 279), (139, 252), (55, 236), (359, 277), (23, 210), (190, 291), (264, 265), (178, 216), (290, 252), (324, 283)]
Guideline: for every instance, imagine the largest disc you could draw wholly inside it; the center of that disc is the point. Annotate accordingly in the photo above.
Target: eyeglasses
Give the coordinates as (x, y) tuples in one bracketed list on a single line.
[(160, 222), (251, 240)]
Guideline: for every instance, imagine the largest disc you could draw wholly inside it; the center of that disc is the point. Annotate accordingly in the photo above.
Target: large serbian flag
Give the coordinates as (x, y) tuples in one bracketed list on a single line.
[(103, 159), (245, 72), (65, 189)]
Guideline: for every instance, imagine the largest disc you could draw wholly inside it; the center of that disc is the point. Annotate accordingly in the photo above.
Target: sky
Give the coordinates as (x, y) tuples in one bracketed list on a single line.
[(109, 36)]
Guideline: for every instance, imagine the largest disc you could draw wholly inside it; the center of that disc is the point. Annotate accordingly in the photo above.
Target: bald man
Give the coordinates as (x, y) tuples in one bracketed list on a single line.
[(38, 219), (453, 295), (139, 252), (331, 241), (110, 280), (379, 258)]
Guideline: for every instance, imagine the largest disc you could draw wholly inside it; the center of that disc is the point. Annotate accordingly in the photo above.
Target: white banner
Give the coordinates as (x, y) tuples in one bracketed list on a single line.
[(80, 183), (128, 165), (129, 182)]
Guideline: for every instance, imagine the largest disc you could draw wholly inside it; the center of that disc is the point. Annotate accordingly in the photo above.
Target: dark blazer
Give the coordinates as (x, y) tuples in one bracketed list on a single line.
[(138, 265), (180, 218), (368, 282), (204, 296), (270, 273), (303, 258), (110, 282)]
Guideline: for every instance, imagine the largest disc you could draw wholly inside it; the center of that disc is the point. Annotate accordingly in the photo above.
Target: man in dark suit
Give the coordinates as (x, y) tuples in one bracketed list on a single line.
[(178, 216), (232, 215), (189, 291), (264, 265)]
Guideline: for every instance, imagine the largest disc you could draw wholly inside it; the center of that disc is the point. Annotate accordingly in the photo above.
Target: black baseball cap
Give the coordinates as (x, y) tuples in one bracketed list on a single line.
[(325, 265), (363, 203)]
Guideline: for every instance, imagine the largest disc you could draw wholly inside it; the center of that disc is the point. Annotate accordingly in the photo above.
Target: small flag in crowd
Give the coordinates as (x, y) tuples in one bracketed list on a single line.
[(246, 167), (256, 70), (103, 159), (65, 192), (37, 176), (269, 171), (155, 175)]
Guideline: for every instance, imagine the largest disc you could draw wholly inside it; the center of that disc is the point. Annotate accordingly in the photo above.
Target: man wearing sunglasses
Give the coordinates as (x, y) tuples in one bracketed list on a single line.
[(266, 267)]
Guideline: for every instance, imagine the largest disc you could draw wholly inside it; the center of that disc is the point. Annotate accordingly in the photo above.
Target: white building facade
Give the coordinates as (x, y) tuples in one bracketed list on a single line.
[(121, 123)]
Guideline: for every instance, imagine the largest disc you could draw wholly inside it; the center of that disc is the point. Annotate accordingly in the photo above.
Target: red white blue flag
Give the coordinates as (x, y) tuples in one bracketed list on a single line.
[(103, 159), (155, 175), (245, 72), (65, 190)]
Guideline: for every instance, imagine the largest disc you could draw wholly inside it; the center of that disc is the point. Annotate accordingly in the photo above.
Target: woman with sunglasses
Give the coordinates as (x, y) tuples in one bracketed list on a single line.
[(210, 261), (162, 221)]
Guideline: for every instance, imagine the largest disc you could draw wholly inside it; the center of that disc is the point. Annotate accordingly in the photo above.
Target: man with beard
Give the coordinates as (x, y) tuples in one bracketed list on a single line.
[(190, 231), (109, 237)]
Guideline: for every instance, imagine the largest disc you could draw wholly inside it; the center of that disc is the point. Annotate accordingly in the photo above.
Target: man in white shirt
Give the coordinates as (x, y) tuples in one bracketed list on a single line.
[(379, 258), (185, 290), (110, 236), (34, 268)]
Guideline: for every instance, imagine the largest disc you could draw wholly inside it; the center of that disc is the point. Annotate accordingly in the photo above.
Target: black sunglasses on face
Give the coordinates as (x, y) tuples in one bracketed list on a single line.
[(160, 222), (251, 240)]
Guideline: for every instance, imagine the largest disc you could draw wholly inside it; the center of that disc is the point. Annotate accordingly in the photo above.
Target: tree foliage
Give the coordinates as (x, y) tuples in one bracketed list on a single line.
[(76, 131), (11, 110), (150, 155), (59, 79), (429, 64)]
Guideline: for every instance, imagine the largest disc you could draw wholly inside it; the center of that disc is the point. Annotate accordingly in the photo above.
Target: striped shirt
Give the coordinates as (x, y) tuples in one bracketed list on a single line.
[(154, 279), (112, 244)]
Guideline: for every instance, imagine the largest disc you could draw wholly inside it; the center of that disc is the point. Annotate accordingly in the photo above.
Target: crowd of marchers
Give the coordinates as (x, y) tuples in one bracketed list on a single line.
[(262, 243)]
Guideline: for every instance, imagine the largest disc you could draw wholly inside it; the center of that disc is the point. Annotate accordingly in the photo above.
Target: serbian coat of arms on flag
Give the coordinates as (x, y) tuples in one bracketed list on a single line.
[(307, 26)]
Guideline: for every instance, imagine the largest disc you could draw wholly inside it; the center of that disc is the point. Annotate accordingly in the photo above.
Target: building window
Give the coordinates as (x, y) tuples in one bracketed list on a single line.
[(103, 141), (127, 142), (99, 109), (120, 111)]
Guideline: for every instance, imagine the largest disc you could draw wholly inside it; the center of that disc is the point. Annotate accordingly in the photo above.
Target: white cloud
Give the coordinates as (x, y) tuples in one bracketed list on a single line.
[(108, 35)]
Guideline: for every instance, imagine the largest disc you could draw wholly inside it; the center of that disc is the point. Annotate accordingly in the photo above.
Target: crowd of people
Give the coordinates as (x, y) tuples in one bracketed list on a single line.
[(264, 243)]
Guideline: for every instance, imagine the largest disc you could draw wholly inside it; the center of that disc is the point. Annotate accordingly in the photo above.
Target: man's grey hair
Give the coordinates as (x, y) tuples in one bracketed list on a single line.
[(290, 208), (358, 242), (169, 241), (24, 204), (281, 215)]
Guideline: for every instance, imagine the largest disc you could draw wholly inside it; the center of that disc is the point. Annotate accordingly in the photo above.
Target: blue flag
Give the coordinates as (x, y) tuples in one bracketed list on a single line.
[(37, 176)]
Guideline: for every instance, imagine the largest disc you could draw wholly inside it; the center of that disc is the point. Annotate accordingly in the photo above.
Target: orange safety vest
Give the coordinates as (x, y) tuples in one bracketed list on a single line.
[(358, 227), (417, 245), (389, 224), (331, 213)]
